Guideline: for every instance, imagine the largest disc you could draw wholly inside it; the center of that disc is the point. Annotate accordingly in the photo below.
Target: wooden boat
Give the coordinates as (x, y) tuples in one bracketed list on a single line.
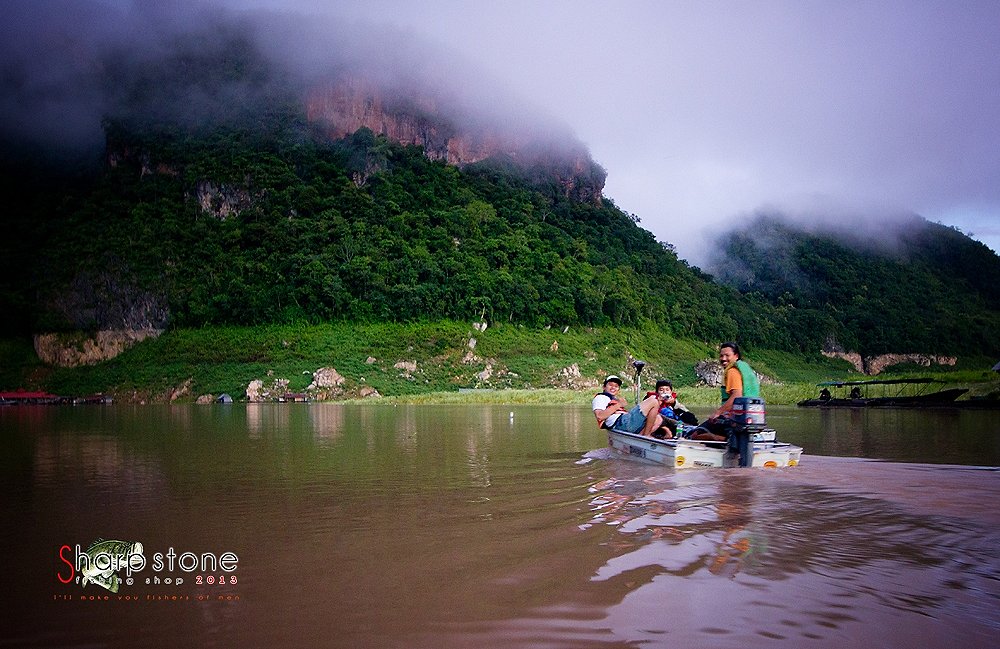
[(685, 453), (862, 400)]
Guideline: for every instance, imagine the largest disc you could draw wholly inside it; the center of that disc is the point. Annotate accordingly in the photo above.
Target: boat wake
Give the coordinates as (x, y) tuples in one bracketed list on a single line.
[(603, 453)]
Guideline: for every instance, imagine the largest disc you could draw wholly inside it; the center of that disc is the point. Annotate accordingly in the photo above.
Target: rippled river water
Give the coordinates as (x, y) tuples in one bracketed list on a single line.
[(329, 525)]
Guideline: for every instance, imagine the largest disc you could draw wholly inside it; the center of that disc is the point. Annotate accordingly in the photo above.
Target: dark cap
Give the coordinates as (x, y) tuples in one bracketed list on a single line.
[(664, 382)]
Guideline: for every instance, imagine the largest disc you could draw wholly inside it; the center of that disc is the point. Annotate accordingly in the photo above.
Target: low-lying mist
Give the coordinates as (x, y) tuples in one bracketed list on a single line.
[(69, 65)]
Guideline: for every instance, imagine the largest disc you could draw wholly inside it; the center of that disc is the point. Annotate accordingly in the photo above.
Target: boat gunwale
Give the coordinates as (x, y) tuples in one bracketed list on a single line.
[(773, 445)]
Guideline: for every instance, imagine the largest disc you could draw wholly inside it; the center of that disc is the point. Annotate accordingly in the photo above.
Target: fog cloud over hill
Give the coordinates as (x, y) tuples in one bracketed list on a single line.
[(67, 65), (704, 111), (701, 112)]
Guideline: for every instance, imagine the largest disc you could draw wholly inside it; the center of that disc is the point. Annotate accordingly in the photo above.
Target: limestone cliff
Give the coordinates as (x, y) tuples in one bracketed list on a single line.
[(343, 106), (76, 349), (873, 365)]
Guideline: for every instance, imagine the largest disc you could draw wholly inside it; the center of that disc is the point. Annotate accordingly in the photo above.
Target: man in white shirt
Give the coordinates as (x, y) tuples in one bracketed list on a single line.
[(611, 410)]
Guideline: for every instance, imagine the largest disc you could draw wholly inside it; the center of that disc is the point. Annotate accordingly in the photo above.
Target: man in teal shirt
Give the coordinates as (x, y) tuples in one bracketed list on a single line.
[(738, 380)]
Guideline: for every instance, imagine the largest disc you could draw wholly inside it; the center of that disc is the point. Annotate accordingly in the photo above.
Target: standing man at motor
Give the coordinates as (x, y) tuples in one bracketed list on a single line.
[(611, 410), (738, 380)]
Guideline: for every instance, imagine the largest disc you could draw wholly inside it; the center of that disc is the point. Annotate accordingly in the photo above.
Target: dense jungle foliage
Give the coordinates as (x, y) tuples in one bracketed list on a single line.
[(272, 223), (913, 286), (215, 204)]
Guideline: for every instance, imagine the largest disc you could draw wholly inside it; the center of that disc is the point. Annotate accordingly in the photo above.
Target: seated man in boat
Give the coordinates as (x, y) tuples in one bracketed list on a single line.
[(672, 410), (612, 411), (739, 380)]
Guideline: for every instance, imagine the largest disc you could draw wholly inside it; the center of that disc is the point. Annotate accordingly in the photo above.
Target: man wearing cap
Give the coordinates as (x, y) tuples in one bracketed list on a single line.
[(611, 410)]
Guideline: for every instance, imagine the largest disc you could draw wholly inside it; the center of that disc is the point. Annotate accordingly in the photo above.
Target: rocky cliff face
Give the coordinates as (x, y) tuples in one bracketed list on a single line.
[(76, 349), (873, 365), (447, 129), (342, 107)]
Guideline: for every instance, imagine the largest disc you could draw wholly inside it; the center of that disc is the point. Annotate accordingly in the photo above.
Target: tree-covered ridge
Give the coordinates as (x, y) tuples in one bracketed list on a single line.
[(269, 222), (928, 289), (261, 225)]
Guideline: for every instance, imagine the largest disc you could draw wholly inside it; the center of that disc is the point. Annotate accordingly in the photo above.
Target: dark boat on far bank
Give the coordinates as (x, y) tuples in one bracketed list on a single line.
[(859, 397)]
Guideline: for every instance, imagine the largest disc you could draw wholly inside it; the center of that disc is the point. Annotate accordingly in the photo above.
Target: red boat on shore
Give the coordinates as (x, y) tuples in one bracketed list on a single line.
[(26, 398)]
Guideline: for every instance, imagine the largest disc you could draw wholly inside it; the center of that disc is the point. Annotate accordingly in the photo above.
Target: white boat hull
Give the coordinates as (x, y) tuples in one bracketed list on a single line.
[(687, 453)]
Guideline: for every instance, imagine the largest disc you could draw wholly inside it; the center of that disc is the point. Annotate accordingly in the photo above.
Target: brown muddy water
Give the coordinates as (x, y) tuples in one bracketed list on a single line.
[(328, 525)]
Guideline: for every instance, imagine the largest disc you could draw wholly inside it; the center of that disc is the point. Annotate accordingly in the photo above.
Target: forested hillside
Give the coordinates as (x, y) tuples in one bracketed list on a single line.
[(276, 224), (217, 201), (906, 286)]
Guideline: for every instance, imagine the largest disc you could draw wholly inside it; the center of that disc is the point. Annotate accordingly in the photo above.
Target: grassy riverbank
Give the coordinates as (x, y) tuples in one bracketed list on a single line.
[(440, 362)]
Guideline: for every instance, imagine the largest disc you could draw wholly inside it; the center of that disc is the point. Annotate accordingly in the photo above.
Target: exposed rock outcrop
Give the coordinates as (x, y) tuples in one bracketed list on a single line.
[(873, 365), (854, 358), (181, 390), (571, 378), (257, 392), (709, 372), (76, 349), (325, 378), (222, 201), (106, 300), (408, 367), (486, 374), (350, 103), (327, 384)]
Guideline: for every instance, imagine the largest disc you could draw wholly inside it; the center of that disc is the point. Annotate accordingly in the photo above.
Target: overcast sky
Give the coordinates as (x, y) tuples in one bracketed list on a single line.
[(703, 112)]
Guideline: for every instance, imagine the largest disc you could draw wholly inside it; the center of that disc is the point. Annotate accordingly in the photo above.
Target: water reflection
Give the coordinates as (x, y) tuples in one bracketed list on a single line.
[(455, 526), (932, 435), (327, 423), (716, 545)]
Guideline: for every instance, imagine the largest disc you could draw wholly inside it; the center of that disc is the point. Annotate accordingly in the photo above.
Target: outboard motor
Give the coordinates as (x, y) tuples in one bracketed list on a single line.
[(748, 417)]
